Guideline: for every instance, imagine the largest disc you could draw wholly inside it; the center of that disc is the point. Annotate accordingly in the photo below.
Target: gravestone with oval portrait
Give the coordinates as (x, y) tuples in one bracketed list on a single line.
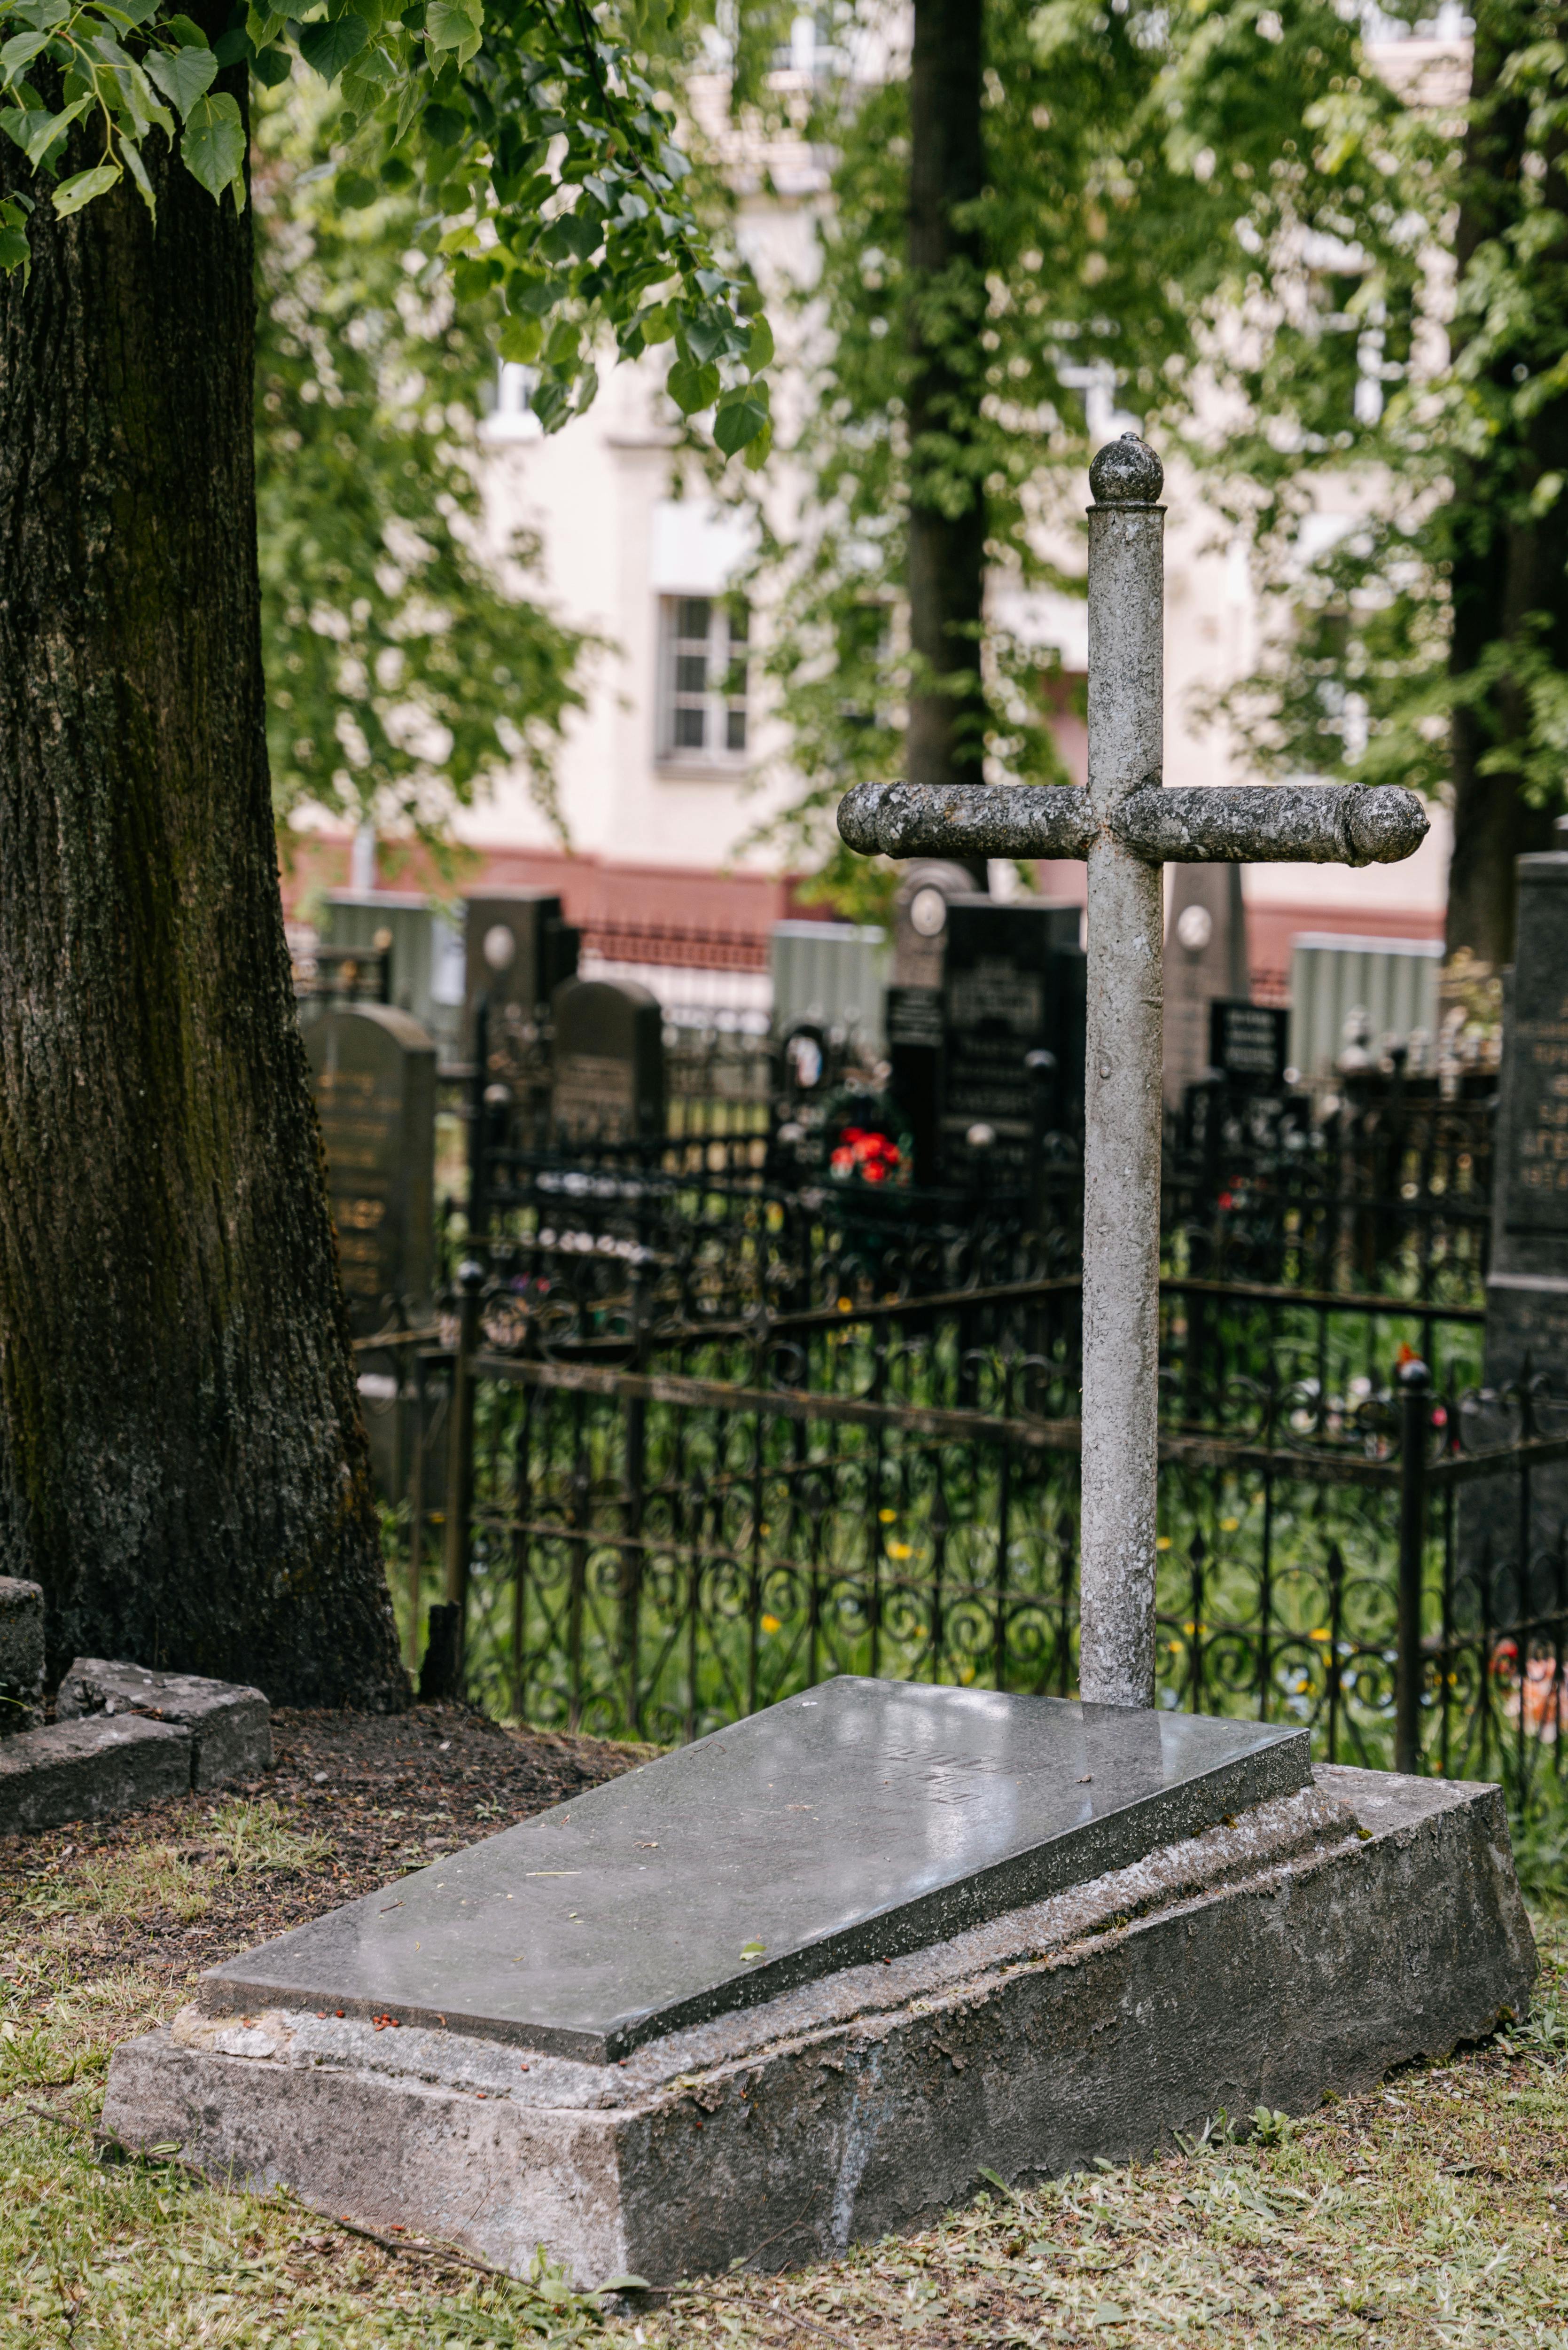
[(1205, 958), (518, 947), (373, 1073)]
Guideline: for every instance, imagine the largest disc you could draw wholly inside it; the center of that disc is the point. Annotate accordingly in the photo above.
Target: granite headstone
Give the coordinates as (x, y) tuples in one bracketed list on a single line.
[(518, 947), (1527, 1287), (608, 1082), (1013, 988), (373, 1071), (1247, 1045)]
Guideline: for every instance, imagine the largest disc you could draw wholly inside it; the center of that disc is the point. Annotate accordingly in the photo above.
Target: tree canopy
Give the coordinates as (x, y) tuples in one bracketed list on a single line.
[(543, 157)]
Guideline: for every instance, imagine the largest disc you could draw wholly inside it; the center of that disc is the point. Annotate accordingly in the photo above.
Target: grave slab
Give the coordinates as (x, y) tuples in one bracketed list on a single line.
[(89, 1770), (230, 1726), (1307, 1945), (21, 1654), (857, 1822)]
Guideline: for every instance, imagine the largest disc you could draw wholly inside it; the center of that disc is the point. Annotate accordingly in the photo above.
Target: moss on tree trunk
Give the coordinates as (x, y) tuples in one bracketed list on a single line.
[(182, 1460)]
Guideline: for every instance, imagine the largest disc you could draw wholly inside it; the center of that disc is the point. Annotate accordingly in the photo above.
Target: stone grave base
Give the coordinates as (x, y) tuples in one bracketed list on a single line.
[(1317, 1941)]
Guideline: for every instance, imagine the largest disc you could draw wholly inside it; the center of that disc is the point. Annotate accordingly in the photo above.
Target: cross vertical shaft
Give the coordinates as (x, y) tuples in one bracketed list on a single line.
[(1127, 826), (1122, 1095)]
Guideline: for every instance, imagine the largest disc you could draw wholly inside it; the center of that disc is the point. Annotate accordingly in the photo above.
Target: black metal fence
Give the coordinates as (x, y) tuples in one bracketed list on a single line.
[(652, 1523)]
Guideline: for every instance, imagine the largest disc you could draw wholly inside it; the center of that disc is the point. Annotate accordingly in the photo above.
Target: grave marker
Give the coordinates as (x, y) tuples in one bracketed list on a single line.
[(1527, 1286), (1014, 989), (1247, 1045), (840, 1959), (1205, 958), (518, 948), (608, 1082), (373, 1074), (1127, 826)]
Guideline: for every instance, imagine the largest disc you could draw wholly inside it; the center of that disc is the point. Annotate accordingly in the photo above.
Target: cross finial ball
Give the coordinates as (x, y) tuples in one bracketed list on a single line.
[(1127, 472)]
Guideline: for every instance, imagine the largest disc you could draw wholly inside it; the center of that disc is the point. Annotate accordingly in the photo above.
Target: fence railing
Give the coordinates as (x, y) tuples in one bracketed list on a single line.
[(650, 1526)]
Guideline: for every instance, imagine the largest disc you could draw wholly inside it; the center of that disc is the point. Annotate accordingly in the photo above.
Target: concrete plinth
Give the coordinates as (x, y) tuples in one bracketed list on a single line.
[(230, 1726), (90, 1770), (1319, 1938)]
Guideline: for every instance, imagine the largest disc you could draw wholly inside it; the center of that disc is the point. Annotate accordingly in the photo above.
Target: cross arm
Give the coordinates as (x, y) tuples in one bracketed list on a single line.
[(1308, 824)]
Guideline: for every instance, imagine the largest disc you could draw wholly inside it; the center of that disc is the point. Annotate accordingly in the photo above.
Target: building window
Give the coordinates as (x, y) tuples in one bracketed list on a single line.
[(706, 676)]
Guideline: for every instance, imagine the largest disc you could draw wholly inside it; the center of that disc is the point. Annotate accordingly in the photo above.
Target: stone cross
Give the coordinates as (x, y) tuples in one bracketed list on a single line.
[(1127, 826)]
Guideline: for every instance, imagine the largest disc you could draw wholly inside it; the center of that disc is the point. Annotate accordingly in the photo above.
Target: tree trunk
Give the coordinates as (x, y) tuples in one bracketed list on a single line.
[(947, 293), (1509, 578), (182, 1465)]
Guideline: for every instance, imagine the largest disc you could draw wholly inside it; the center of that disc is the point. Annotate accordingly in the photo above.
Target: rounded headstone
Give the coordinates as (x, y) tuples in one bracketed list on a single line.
[(1127, 472)]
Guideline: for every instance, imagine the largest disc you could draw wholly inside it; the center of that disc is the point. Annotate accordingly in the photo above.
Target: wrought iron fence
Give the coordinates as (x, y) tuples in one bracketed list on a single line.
[(651, 1525)]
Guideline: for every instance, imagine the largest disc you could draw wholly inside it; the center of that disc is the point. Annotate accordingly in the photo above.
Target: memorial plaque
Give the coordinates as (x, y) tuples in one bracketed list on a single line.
[(856, 1821), (373, 1074), (927, 888), (518, 948), (1016, 985), (915, 1033), (608, 1068), (1246, 1044)]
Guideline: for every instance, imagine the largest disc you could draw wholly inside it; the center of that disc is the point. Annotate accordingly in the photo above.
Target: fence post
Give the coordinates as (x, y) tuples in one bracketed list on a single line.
[(460, 1457), (1415, 1386), (479, 1125)]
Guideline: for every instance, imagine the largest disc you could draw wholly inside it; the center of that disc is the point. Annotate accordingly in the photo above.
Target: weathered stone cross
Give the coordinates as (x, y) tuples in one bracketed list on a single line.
[(1126, 827)]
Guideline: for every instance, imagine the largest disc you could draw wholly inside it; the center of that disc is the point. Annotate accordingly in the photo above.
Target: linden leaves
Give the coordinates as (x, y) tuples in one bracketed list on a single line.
[(554, 187), (112, 70)]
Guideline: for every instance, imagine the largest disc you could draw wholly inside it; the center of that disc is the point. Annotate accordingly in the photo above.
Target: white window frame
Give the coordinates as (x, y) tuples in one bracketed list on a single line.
[(720, 711)]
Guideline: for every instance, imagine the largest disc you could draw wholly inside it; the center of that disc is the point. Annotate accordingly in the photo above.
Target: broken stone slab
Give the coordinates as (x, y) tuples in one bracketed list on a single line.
[(1306, 1945), (90, 1770), (21, 1654), (230, 1726)]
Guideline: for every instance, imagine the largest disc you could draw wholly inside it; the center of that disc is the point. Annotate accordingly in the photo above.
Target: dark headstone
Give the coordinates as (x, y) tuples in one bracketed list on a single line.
[(915, 1037), (1527, 1288), (608, 1075), (861, 1820), (373, 1070), (1247, 1045), (1014, 988), (440, 1669), (1205, 957), (518, 948)]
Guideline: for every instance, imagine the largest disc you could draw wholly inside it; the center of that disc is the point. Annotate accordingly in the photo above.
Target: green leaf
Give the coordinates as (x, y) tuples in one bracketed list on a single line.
[(213, 146), (271, 68), (138, 171), (737, 422), (443, 126), (35, 131), (355, 190), (231, 46), (20, 52), (329, 47), (189, 35), (690, 387), (14, 253), (264, 26), (83, 186), (520, 340), (183, 77), (757, 451), (624, 2285), (760, 346), (453, 25)]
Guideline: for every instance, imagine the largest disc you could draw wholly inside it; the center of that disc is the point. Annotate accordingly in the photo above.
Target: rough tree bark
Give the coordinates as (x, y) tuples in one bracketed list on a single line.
[(1510, 576), (947, 523), (182, 1462)]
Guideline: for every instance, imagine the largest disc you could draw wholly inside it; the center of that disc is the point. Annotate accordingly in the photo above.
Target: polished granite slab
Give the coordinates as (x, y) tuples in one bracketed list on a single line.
[(854, 1823)]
